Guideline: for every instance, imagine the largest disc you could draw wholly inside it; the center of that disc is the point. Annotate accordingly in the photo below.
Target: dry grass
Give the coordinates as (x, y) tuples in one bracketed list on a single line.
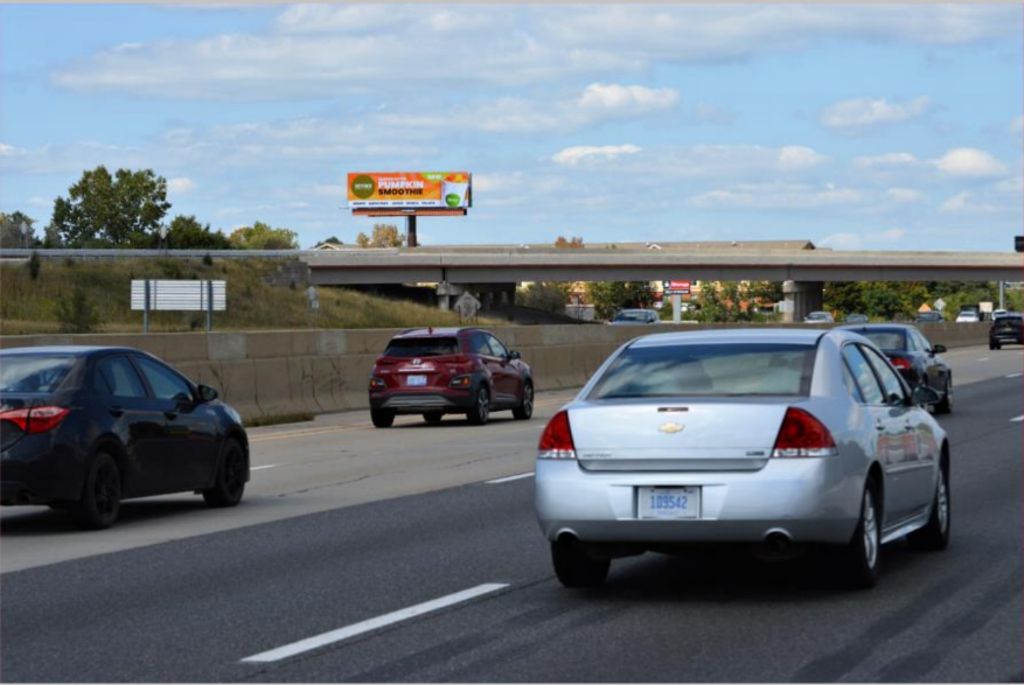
[(30, 306)]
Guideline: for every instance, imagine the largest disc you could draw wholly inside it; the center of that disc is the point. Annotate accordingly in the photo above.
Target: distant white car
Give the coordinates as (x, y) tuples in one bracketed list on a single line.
[(968, 316), (819, 317)]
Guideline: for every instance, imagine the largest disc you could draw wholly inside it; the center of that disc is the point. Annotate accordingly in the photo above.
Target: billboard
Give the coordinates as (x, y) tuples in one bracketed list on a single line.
[(420, 189), (676, 287)]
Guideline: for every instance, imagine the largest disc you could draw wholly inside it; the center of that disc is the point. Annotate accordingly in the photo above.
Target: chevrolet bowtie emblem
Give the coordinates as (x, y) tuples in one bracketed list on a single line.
[(671, 428)]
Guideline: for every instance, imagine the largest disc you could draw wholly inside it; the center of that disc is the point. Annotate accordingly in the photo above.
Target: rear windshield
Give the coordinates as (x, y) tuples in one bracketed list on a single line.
[(887, 340), (708, 370), (631, 316), (33, 373), (422, 347)]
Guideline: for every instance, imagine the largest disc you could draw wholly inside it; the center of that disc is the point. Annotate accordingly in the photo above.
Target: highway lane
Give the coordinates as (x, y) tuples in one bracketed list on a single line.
[(194, 608)]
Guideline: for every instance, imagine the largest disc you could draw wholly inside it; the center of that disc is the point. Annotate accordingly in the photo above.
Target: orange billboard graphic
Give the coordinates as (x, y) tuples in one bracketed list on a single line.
[(449, 189)]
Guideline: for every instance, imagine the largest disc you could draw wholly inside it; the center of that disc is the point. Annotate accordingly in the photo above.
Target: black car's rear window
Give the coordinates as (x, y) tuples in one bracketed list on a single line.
[(723, 370), (887, 340), (33, 373), (422, 347)]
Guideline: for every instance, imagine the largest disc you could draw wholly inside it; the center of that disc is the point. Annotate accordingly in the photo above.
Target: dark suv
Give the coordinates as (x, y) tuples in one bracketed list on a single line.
[(1007, 328), (441, 371)]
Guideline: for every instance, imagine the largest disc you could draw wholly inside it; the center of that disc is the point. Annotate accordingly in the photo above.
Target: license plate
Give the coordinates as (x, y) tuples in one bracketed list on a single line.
[(413, 381), (669, 503)]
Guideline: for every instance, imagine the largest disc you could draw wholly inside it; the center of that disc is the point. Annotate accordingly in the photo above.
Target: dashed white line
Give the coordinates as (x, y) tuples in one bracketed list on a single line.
[(1018, 419), (371, 624), (984, 359), (268, 466), (506, 479)]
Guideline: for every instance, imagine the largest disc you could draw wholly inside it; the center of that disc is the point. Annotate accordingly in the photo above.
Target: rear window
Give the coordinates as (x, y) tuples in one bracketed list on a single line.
[(422, 347), (32, 373), (708, 370), (631, 316), (887, 340)]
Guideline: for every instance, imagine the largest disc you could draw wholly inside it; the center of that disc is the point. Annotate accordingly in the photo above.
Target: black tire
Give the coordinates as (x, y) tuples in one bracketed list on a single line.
[(998, 346), (382, 418), (525, 409), (991, 345), (101, 494), (861, 559), (575, 568), (229, 485), (945, 405), (934, 537), (433, 417), (479, 414)]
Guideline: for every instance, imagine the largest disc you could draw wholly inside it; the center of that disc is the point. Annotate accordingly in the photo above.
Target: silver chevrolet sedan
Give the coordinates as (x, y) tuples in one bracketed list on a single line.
[(778, 438)]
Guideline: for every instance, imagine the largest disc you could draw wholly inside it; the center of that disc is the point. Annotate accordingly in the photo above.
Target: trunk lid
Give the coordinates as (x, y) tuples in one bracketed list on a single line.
[(719, 434)]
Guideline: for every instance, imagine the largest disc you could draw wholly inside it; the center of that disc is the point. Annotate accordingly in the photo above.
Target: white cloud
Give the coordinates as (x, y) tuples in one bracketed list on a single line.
[(903, 195), (180, 186), (967, 202), (1017, 125), (795, 157), (841, 240), (891, 159), (851, 116), (1011, 185), (775, 197), (572, 156), (858, 241), (969, 162), (893, 235)]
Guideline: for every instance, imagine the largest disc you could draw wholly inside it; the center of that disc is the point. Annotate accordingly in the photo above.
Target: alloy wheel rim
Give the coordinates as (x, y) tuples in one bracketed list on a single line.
[(106, 490), (528, 399), (233, 471), (942, 503), (483, 405), (870, 531)]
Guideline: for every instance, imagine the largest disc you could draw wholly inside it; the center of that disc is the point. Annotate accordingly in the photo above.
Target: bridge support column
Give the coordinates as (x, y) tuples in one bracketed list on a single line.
[(445, 292), (802, 297)]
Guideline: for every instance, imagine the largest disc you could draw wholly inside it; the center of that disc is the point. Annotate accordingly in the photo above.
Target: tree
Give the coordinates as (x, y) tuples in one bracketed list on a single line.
[(261, 236), (608, 298), (549, 297), (120, 211), (186, 233), (384, 235), (10, 231), (573, 244)]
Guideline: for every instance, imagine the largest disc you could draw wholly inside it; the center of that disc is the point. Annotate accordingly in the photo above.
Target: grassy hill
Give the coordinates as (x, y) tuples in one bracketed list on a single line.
[(30, 306)]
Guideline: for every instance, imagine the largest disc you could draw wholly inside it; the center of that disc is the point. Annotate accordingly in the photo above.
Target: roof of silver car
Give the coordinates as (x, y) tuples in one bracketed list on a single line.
[(808, 336)]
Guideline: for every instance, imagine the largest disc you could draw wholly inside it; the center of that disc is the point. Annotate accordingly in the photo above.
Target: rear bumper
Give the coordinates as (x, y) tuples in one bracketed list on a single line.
[(417, 402), (36, 470), (1007, 338), (811, 500)]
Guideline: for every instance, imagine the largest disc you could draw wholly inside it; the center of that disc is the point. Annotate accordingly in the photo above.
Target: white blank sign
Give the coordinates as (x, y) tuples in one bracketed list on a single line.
[(179, 296)]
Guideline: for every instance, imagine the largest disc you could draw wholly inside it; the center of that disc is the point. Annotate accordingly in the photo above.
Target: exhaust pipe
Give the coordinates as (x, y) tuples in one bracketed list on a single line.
[(778, 541)]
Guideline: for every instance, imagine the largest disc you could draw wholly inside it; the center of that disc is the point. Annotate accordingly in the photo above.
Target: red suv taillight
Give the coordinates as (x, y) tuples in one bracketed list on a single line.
[(35, 420), (556, 442), (900, 363), (802, 435), (377, 384)]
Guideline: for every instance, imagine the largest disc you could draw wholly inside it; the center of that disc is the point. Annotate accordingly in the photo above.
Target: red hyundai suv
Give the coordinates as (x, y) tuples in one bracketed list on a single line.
[(438, 371)]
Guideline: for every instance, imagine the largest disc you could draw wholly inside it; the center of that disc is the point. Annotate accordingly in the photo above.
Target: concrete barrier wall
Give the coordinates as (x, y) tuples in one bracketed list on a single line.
[(268, 373)]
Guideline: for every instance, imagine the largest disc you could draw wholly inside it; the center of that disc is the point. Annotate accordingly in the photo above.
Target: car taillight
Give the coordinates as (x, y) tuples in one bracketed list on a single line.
[(377, 384), (802, 435), (556, 442), (35, 420), (461, 382), (900, 363)]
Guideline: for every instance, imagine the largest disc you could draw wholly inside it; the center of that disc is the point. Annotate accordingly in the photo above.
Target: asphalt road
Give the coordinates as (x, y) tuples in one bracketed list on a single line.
[(331, 538)]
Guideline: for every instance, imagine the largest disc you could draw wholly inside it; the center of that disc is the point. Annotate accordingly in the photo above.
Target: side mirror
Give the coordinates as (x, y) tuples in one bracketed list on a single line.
[(514, 354), (938, 349), (207, 394), (924, 395)]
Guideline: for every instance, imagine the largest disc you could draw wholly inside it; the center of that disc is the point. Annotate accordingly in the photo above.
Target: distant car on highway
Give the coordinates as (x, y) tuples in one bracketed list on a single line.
[(83, 428), (633, 317), (438, 371), (819, 317), (1008, 328), (916, 358), (930, 317), (856, 318), (968, 316), (776, 438)]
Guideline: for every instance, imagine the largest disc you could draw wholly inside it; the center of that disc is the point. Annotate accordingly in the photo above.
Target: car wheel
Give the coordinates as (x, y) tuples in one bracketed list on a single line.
[(479, 414), (101, 495), (945, 405), (861, 558), (525, 410), (935, 534), (991, 345), (433, 417), (575, 568), (382, 418), (229, 485)]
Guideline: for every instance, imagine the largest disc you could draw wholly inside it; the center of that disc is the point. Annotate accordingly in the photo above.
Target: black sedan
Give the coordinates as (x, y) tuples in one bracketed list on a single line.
[(1008, 328), (916, 359), (82, 428)]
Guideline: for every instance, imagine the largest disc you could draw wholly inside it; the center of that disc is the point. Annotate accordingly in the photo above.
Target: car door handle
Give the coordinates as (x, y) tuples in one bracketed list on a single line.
[(116, 411)]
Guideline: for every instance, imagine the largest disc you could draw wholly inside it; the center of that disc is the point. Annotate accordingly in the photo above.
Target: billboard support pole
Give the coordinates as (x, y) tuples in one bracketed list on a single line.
[(145, 308), (677, 309), (410, 230)]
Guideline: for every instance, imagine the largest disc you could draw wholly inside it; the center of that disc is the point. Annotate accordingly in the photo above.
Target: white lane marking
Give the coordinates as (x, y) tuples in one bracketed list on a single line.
[(1015, 375), (1019, 419), (506, 479), (984, 359), (268, 466), (372, 624)]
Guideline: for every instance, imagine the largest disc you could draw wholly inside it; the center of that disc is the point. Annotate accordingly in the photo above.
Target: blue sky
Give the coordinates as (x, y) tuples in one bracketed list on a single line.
[(871, 127)]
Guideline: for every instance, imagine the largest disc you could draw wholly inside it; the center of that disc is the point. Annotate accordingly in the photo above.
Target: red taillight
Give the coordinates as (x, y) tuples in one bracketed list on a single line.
[(377, 384), (556, 442), (35, 420), (802, 435), (900, 363)]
